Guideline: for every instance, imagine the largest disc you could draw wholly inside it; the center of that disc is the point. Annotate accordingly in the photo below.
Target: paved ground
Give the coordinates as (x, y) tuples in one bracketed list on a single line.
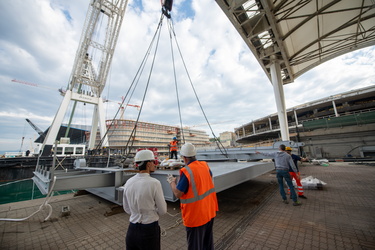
[(252, 216)]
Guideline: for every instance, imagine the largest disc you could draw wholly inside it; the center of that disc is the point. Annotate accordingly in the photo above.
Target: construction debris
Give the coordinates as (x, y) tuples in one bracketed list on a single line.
[(321, 162), (311, 182)]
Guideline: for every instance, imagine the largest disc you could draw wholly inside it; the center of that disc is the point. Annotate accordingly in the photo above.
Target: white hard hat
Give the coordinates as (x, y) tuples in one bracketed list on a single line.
[(188, 150), (144, 155)]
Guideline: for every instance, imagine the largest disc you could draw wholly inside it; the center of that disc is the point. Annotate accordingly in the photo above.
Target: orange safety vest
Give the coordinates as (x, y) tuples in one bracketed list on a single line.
[(173, 145), (199, 204)]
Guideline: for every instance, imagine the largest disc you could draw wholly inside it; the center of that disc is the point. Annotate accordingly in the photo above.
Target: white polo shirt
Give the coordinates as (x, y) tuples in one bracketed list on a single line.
[(144, 199)]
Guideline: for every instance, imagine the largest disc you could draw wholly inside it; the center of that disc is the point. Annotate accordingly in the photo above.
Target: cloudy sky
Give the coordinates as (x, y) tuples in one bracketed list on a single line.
[(39, 39)]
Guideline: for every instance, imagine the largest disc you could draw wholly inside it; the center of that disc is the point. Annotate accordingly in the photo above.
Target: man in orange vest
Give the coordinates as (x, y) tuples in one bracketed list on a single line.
[(173, 148), (198, 201)]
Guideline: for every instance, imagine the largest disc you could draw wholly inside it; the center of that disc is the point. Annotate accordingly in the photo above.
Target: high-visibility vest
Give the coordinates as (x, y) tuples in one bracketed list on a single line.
[(173, 145), (199, 203)]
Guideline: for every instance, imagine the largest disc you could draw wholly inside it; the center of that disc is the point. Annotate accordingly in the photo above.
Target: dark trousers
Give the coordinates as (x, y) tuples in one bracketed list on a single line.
[(284, 174), (201, 238), (173, 153), (143, 236)]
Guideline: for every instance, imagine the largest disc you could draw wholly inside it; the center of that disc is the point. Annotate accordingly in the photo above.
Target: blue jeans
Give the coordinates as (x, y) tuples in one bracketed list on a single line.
[(284, 174)]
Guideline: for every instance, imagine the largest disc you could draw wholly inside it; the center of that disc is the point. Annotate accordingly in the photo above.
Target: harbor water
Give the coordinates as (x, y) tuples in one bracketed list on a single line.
[(22, 190)]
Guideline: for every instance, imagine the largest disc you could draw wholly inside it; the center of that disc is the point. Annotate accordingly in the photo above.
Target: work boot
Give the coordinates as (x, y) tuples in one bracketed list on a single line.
[(297, 203), (302, 196)]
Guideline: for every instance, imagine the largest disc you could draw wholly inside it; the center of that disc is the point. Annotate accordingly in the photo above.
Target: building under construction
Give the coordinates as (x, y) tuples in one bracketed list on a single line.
[(336, 126), (121, 136)]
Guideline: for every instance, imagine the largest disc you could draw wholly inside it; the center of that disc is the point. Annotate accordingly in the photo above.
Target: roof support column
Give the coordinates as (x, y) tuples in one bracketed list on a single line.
[(278, 90), (334, 107), (295, 117), (269, 120), (254, 132)]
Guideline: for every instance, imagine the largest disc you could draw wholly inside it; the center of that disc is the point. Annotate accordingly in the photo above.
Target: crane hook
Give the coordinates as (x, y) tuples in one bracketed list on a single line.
[(166, 7)]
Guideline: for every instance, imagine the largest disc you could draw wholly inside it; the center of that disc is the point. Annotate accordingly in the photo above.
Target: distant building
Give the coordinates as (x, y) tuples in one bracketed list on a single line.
[(337, 126), (227, 138), (150, 135), (147, 135)]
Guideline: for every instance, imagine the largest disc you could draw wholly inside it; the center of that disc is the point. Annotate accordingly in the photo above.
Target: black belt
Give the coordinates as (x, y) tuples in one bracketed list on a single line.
[(145, 225)]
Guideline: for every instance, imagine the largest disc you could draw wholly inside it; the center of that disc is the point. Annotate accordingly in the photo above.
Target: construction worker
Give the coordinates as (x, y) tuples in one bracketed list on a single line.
[(144, 200), (282, 163), (198, 201), (173, 147), (296, 176)]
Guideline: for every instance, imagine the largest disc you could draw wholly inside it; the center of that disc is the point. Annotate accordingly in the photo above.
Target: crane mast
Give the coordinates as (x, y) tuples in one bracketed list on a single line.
[(38, 130), (91, 66)]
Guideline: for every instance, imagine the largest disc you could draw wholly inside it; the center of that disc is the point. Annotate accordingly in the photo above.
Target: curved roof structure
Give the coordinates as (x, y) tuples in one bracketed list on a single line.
[(301, 34)]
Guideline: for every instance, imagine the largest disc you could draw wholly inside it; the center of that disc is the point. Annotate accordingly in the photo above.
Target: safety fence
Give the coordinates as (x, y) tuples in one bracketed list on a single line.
[(340, 121)]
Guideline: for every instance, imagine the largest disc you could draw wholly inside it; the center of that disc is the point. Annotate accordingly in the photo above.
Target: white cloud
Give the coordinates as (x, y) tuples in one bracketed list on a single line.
[(39, 46)]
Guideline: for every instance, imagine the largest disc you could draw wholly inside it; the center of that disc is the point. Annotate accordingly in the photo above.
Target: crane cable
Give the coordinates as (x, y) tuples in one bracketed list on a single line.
[(132, 88), (218, 143), (170, 24), (157, 33)]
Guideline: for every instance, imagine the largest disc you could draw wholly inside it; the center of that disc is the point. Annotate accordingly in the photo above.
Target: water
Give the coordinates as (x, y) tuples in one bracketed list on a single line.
[(22, 190)]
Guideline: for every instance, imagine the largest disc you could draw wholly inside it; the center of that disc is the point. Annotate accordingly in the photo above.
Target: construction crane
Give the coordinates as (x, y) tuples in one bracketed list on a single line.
[(206, 124), (61, 90), (91, 66), (123, 108), (38, 130)]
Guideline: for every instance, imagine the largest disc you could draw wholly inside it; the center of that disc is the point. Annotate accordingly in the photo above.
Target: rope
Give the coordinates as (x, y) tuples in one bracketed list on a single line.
[(44, 204), (178, 222), (8, 183)]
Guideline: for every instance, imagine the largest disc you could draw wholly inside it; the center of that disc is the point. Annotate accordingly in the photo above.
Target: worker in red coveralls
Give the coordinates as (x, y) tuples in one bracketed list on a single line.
[(173, 147), (294, 175)]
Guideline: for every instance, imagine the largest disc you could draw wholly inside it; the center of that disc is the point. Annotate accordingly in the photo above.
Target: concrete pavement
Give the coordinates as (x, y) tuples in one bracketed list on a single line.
[(251, 216)]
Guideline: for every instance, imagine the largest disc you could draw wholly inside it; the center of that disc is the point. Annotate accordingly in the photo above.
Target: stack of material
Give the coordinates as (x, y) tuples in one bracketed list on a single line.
[(171, 164), (311, 182), (321, 162)]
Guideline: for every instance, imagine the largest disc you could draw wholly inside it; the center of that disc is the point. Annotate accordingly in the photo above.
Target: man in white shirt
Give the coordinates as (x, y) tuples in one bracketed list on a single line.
[(144, 200)]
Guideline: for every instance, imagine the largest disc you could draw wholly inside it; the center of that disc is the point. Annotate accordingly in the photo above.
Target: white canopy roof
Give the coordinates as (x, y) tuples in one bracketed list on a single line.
[(301, 34)]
